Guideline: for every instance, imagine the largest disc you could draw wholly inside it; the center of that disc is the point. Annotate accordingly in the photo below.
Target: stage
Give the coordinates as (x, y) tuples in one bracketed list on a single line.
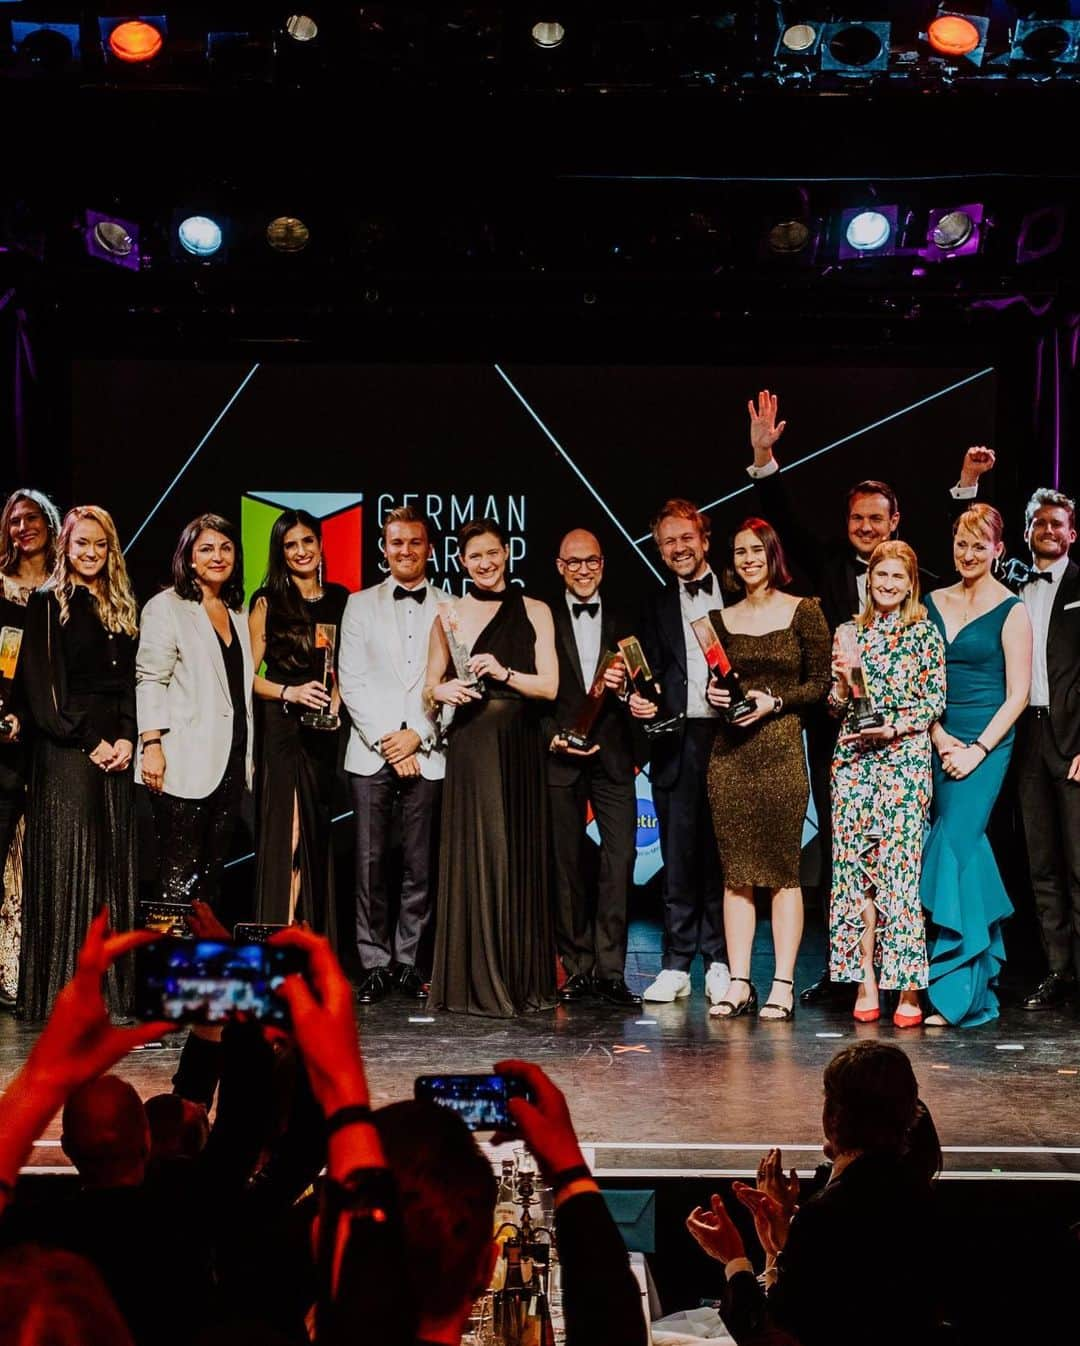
[(670, 1093)]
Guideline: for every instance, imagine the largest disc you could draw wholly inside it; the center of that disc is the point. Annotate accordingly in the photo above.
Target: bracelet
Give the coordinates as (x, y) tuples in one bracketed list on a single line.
[(348, 1116), (978, 743), (777, 704), (284, 689), (509, 675), (149, 742), (566, 1176)]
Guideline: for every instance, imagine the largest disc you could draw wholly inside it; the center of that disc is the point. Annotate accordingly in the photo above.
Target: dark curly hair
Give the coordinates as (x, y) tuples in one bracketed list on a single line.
[(183, 571)]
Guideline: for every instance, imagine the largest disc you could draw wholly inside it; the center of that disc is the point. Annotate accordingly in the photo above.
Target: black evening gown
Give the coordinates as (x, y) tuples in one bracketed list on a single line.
[(494, 938), (295, 759), (79, 682)]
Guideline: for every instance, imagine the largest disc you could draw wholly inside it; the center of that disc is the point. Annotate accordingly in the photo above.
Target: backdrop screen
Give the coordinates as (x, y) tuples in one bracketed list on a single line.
[(541, 448)]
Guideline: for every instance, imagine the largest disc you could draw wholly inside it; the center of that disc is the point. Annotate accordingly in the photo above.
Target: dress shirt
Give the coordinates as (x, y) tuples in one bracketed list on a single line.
[(697, 670), (586, 636), (1039, 598), (413, 622)]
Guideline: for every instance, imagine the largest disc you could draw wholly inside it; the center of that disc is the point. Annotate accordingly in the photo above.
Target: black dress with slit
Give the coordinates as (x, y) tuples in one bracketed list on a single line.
[(296, 761), (494, 939), (79, 682)]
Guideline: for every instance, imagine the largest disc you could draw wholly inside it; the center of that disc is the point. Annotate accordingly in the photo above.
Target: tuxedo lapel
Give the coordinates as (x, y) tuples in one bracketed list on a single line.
[(388, 629), (564, 632), (672, 625)]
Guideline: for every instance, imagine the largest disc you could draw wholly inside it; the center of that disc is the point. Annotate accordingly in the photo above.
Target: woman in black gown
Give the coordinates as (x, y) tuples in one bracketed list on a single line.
[(297, 763), (78, 673), (494, 941)]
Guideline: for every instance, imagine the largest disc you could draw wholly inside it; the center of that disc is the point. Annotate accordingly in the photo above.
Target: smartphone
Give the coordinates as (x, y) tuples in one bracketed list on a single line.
[(170, 918), (205, 981), (479, 1100), (251, 932)]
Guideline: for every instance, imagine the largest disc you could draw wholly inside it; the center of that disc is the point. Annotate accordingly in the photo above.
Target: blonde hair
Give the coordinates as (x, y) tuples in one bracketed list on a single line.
[(115, 603), (982, 520), (679, 509), (911, 610)]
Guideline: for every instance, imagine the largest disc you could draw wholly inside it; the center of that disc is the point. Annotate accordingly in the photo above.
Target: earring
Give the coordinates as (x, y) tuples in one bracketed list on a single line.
[(995, 567), (319, 574)]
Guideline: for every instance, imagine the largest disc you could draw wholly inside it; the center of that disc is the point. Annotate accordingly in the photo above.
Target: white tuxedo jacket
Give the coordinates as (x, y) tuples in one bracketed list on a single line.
[(378, 694), (181, 687)]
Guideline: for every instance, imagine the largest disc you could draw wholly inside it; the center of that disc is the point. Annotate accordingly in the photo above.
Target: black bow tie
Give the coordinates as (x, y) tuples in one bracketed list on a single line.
[(1040, 575), (417, 595), (703, 585), (578, 608)]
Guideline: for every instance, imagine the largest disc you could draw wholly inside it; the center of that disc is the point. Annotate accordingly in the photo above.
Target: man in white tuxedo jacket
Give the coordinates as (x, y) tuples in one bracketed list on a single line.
[(394, 750)]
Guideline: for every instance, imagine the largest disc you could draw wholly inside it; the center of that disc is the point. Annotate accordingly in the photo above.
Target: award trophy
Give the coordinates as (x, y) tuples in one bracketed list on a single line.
[(578, 736), (866, 717), (325, 641), (459, 655), (10, 644), (641, 680), (721, 672)]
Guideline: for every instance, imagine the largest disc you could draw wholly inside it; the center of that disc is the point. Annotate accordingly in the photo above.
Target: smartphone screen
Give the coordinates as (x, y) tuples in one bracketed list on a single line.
[(252, 933), (206, 981), (479, 1100)]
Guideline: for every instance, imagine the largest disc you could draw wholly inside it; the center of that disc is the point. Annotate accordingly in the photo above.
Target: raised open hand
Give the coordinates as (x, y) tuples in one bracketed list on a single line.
[(764, 430)]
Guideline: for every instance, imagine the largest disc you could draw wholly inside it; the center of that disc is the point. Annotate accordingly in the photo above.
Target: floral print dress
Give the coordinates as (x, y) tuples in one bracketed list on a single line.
[(880, 803)]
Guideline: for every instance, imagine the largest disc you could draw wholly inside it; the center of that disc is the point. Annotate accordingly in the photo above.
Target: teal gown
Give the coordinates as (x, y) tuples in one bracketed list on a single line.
[(961, 888)]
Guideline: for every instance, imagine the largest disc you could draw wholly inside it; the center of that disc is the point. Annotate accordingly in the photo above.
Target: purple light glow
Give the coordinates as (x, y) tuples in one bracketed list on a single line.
[(970, 246)]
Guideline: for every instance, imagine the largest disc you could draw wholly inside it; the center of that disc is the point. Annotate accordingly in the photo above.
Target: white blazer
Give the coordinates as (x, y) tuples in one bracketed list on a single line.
[(377, 692), (181, 688)]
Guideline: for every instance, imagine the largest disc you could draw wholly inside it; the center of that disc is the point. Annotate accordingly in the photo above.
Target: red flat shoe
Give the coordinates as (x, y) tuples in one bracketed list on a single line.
[(866, 1016), (907, 1020)]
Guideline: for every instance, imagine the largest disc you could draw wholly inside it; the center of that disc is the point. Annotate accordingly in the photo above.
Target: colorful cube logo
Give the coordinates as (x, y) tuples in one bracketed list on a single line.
[(340, 514)]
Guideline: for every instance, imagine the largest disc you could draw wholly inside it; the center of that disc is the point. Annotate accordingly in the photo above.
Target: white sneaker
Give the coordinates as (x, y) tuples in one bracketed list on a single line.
[(669, 985), (717, 982)]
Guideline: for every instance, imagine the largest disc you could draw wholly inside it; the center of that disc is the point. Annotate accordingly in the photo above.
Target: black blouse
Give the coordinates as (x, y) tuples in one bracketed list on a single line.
[(78, 679), (282, 663), (234, 673)]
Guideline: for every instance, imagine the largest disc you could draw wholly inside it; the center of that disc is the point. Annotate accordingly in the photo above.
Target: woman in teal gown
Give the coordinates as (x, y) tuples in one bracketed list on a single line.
[(988, 668)]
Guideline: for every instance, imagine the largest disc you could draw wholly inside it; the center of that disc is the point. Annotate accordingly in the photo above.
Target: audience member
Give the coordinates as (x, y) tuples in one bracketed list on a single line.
[(53, 1298)]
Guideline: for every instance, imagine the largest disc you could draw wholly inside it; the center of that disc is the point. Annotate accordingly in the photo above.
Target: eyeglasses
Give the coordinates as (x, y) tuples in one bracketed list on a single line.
[(575, 563)]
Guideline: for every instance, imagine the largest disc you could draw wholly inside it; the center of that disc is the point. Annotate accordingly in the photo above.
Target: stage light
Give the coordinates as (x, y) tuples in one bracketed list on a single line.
[(548, 35), (1042, 232), (200, 236), (1046, 42), (288, 234), (112, 239), (859, 48), (799, 39), (958, 37), (868, 231), (301, 28), (953, 231), (788, 237), (134, 41), (45, 47)]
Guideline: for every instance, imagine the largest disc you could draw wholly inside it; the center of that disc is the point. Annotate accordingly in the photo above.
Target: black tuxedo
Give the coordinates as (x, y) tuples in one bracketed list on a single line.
[(591, 937), (1047, 741), (693, 890)]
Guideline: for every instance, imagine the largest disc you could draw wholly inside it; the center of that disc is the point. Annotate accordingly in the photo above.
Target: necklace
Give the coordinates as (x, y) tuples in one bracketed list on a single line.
[(316, 598)]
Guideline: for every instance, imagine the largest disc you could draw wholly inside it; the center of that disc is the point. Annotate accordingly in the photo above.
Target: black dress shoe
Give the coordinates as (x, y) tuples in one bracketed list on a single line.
[(410, 983), (616, 992), (1055, 989), (374, 987), (575, 988), (827, 992)]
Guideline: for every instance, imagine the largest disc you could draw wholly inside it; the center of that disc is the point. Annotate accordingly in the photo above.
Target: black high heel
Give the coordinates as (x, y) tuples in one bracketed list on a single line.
[(787, 1012), (748, 1006)]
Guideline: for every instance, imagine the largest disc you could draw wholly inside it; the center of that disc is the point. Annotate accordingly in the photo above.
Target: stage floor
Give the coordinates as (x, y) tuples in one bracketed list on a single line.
[(669, 1092)]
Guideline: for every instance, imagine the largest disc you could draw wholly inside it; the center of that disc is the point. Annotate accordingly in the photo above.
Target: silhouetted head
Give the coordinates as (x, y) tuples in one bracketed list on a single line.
[(106, 1134)]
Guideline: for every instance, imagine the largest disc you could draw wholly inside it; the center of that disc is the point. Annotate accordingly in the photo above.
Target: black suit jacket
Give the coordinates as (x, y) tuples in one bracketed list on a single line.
[(620, 748), (664, 643), (1063, 663)]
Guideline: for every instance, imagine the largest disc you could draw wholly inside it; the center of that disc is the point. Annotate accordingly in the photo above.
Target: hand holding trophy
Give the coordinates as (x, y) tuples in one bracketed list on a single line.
[(640, 682), (862, 708), (325, 644), (10, 644), (721, 671)]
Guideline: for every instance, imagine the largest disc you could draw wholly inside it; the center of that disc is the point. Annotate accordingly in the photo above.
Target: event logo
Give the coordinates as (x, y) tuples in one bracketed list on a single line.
[(340, 514)]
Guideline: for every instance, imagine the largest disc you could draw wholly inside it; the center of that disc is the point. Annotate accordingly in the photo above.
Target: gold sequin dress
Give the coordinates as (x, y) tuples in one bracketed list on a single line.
[(758, 786)]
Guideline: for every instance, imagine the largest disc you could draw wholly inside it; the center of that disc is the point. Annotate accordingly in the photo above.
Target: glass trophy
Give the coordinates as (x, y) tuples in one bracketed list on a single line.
[(325, 644), (10, 644), (721, 671), (864, 714), (459, 654), (578, 735), (641, 681)]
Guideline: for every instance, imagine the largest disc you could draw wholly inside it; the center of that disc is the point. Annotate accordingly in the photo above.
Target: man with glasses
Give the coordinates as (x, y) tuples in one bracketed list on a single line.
[(590, 929)]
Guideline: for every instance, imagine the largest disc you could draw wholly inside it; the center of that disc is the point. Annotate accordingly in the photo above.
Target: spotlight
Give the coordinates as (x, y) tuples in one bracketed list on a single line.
[(958, 37), (1046, 42), (288, 234), (953, 231), (788, 237), (134, 41), (301, 28), (860, 48), (865, 232), (1042, 232), (799, 41), (112, 239), (200, 236), (45, 48), (548, 35)]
